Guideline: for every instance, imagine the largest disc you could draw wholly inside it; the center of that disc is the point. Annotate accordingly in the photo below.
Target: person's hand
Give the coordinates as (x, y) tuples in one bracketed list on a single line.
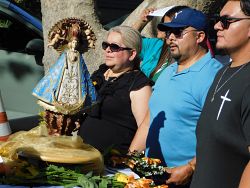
[(144, 16), (143, 19), (179, 175)]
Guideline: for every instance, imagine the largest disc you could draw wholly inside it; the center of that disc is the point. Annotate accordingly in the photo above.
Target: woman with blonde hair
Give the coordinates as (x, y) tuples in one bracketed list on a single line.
[(123, 93)]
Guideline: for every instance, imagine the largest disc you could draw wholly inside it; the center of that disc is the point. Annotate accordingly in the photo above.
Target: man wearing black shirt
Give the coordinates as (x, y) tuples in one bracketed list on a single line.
[(223, 131)]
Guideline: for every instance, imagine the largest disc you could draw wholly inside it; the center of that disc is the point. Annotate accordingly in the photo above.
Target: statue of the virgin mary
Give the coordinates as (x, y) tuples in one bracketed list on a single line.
[(67, 90)]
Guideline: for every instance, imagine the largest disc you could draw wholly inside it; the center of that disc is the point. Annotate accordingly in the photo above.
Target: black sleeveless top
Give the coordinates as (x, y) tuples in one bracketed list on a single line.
[(111, 123)]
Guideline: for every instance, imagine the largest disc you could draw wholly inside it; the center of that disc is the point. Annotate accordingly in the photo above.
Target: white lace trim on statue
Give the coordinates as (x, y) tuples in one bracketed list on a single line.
[(69, 92)]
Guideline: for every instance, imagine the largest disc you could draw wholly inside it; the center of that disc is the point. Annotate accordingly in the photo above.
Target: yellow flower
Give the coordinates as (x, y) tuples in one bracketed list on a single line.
[(120, 177)]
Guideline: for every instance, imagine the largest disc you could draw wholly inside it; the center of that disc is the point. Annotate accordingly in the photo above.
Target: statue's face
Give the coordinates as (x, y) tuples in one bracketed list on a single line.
[(74, 43)]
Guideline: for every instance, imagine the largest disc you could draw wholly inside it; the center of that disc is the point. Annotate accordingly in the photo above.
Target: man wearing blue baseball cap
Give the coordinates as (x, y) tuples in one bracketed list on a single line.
[(178, 97), (187, 17)]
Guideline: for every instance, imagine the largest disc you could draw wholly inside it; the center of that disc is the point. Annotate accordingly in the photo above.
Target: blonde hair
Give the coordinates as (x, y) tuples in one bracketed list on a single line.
[(131, 38)]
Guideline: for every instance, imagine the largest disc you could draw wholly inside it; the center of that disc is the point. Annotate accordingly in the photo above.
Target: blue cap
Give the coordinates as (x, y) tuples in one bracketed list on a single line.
[(185, 18)]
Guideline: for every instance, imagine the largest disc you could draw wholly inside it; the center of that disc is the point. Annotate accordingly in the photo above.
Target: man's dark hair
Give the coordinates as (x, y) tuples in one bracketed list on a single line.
[(170, 13), (245, 7)]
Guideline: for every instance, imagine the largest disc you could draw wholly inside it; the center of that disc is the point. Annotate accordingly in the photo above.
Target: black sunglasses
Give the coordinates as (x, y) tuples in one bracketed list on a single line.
[(114, 47), (226, 21), (178, 33)]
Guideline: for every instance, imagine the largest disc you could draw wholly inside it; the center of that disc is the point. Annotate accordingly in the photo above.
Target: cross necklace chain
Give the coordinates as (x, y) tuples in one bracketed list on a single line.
[(217, 88)]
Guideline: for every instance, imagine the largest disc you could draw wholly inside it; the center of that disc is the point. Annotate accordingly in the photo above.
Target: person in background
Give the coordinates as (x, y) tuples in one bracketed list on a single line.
[(223, 130), (123, 93), (168, 130), (155, 52)]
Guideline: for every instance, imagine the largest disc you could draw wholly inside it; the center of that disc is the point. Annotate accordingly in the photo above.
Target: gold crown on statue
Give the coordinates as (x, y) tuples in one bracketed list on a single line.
[(66, 29)]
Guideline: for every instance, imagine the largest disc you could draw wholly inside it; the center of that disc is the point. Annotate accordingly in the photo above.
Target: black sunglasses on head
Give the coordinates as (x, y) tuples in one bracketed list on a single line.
[(114, 47), (226, 21)]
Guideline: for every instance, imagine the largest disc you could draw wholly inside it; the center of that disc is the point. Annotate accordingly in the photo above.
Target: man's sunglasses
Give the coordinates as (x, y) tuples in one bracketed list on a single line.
[(114, 47), (226, 21), (178, 33)]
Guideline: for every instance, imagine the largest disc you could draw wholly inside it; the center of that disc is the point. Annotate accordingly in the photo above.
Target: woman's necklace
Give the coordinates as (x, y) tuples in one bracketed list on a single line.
[(110, 74), (217, 88)]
